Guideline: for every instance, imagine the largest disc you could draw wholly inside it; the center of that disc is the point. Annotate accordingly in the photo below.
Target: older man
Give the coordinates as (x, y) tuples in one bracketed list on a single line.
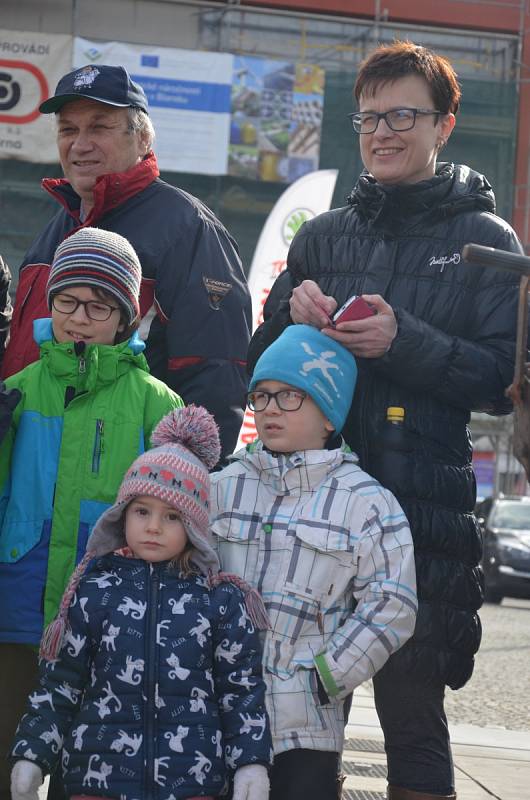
[(194, 300)]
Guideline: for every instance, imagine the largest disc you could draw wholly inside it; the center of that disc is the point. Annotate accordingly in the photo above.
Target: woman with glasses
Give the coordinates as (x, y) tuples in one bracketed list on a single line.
[(441, 345), (87, 409)]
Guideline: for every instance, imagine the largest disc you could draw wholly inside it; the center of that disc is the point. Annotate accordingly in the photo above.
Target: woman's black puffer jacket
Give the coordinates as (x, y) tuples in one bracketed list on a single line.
[(453, 353)]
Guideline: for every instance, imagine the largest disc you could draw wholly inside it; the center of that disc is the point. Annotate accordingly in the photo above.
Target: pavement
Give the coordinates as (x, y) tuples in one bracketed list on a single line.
[(490, 763)]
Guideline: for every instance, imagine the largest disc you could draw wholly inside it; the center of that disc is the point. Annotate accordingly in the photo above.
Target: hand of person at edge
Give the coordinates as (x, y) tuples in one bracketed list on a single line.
[(371, 337), (309, 306), (8, 401)]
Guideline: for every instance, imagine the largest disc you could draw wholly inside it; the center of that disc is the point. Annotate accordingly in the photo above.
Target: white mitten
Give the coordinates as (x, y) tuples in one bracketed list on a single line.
[(251, 783), (26, 777)]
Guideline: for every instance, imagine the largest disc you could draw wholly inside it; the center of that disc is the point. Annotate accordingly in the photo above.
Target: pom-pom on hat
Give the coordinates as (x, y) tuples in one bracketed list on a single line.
[(98, 258), (309, 360)]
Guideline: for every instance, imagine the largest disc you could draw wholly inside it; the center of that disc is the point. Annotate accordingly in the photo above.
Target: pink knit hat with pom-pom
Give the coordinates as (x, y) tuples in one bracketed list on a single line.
[(185, 447)]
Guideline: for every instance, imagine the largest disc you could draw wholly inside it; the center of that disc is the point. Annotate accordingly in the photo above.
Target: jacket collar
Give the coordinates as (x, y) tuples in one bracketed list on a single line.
[(97, 365), (111, 190), (453, 189), (294, 473)]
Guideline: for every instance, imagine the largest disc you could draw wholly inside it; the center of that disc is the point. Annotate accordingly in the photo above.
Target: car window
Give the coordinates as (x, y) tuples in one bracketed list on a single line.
[(510, 515)]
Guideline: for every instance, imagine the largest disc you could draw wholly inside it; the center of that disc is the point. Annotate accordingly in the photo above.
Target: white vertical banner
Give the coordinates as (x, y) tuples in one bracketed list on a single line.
[(188, 93), (302, 200), (30, 67)]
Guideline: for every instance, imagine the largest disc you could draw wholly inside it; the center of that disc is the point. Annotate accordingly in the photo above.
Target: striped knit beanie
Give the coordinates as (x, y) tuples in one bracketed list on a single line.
[(98, 258)]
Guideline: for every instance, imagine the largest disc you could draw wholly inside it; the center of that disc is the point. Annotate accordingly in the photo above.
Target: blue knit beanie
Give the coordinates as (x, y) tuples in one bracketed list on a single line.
[(307, 359)]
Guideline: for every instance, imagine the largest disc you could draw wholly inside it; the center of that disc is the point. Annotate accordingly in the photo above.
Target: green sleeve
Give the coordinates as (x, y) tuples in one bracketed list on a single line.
[(160, 401)]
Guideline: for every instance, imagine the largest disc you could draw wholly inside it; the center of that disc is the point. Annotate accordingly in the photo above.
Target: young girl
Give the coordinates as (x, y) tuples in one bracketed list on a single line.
[(88, 408), (151, 677)]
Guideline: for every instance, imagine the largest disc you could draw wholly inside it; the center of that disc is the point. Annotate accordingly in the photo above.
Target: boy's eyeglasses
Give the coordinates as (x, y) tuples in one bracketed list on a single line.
[(398, 119), (286, 400), (98, 312)]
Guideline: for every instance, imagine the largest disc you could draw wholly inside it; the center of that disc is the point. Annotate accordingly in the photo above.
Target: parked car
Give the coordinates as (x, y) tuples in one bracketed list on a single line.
[(505, 524)]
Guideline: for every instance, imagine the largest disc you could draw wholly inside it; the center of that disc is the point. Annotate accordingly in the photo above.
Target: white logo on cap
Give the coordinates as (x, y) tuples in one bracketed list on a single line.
[(85, 77), (322, 363)]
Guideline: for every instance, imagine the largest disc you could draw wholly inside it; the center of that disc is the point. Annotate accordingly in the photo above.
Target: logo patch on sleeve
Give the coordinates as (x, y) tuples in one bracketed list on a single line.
[(217, 291)]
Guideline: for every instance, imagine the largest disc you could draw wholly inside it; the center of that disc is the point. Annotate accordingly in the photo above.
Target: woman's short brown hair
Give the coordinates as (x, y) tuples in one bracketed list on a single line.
[(388, 63)]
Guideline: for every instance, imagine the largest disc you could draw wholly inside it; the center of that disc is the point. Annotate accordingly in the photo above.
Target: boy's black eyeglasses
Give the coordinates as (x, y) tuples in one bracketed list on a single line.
[(96, 311), (397, 119), (286, 399)]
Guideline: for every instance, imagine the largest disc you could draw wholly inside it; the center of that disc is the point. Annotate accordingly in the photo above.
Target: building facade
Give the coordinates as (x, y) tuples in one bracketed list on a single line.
[(486, 41)]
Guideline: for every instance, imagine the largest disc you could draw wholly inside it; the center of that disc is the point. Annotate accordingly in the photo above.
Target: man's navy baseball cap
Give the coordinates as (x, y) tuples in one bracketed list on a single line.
[(110, 85)]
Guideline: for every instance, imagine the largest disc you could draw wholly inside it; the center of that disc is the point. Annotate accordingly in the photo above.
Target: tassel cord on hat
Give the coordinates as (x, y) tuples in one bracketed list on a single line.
[(253, 601), (57, 631)]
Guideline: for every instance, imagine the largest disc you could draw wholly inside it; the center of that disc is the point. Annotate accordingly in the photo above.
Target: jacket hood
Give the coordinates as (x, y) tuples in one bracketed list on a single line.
[(43, 332), (453, 190)]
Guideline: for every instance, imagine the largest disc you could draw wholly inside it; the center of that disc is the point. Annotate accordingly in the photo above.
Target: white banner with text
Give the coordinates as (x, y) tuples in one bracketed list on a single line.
[(30, 67), (189, 99)]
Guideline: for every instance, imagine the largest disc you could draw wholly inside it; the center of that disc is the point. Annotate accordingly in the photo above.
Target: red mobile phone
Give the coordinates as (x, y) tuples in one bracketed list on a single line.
[(354, 308)]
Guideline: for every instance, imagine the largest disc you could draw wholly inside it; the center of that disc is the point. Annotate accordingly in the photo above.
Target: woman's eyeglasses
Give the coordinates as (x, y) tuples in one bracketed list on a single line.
[(397, 119)]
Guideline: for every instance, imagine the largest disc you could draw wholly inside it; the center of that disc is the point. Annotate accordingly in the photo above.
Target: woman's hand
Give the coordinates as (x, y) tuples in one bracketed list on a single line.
[(370, 337), (310, 306), (251, 783)]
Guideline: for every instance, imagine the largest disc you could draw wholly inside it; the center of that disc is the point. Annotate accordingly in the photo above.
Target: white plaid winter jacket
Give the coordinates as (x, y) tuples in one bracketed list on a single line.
[(331, 552)]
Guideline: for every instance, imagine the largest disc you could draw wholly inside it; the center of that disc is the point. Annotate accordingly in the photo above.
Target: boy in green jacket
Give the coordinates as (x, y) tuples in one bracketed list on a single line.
[(87, 409)]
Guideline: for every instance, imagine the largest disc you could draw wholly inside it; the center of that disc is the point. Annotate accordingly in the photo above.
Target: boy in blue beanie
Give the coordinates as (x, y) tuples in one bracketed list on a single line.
[(327, 546)]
